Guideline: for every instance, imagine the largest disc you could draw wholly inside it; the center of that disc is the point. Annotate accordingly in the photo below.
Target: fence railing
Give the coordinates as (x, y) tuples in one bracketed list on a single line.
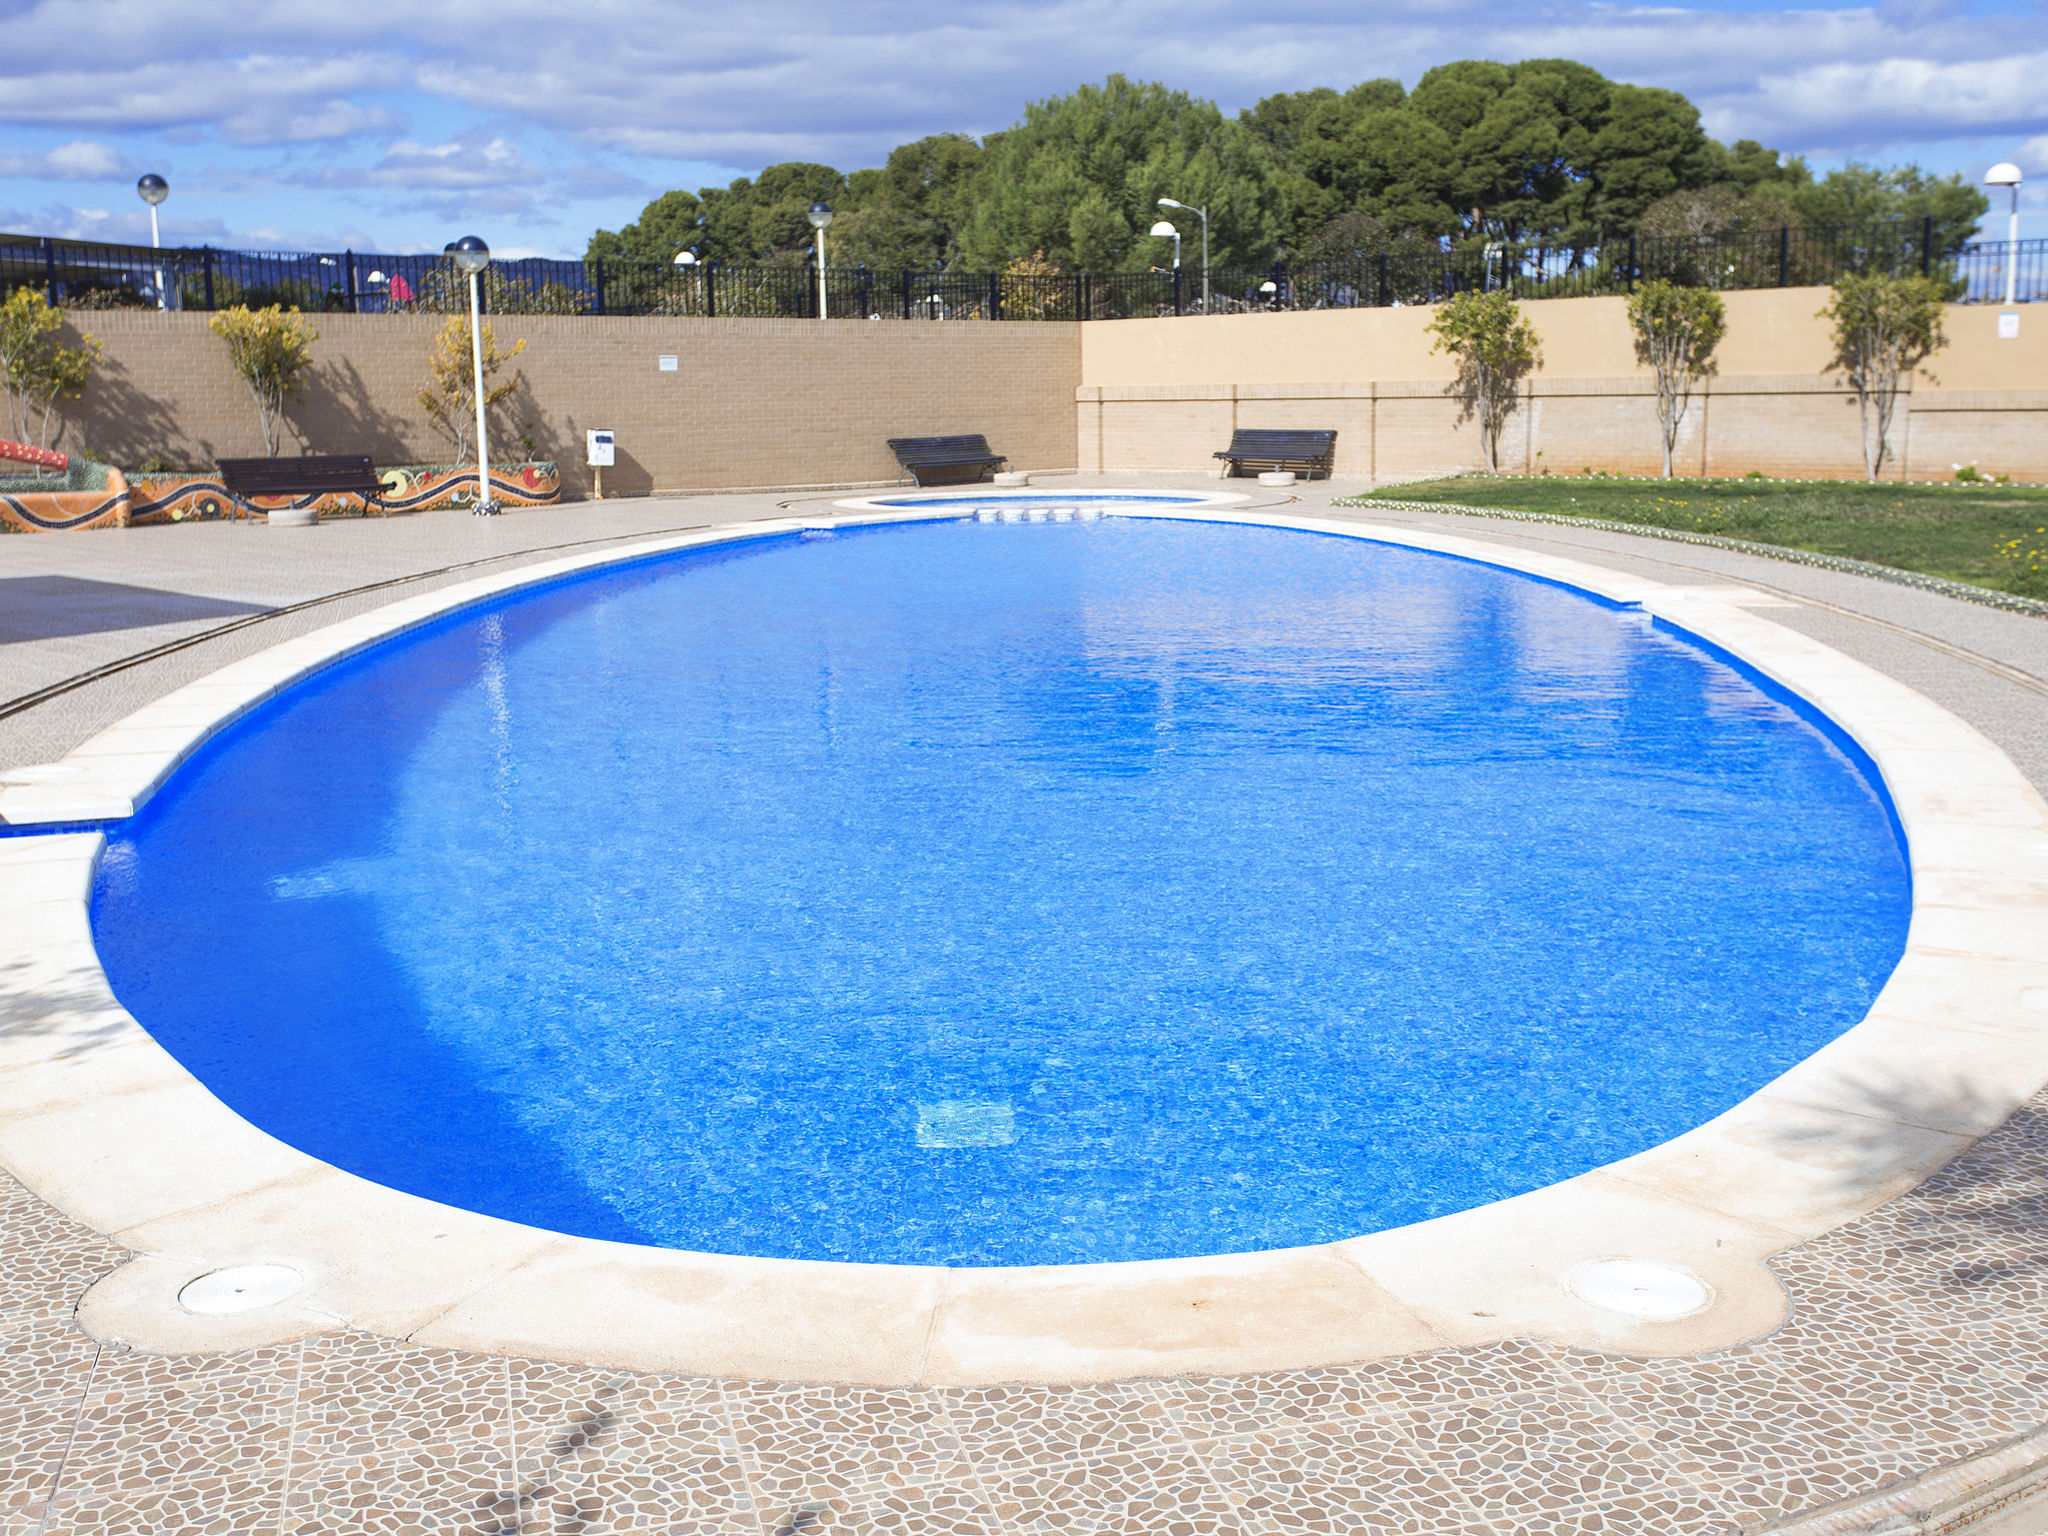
[(88, 275)]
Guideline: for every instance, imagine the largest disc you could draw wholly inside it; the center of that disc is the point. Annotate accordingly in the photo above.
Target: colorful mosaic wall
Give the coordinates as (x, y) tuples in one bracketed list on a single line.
[(132, 501), (87, 496)]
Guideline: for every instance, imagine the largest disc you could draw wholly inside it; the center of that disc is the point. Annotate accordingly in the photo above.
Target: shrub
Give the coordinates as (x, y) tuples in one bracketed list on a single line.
[(450, 396), (1885, 327), (1677, 329), (1495, 348), (272, 350), (35, 368)]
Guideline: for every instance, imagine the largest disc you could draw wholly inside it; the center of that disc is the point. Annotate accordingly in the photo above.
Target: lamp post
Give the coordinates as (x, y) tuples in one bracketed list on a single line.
[(2006, 174), (1203, 214), (153, 189), (1165, 231), (820, 215), (471, 257)]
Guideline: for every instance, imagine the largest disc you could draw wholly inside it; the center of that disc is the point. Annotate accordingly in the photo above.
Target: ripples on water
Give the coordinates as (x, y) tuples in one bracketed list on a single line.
[(999, 894)]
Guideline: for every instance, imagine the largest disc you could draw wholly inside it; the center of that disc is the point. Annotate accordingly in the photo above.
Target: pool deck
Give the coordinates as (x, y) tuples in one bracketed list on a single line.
[(1917, 1342)]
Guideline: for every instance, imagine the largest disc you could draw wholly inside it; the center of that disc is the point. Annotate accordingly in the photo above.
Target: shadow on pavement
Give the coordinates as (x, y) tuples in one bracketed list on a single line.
[(48, 607)]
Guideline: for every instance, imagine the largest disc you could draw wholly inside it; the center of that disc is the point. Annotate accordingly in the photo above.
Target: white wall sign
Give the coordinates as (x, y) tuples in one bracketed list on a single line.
[(600, 449), (668, 362), (2009, 326)]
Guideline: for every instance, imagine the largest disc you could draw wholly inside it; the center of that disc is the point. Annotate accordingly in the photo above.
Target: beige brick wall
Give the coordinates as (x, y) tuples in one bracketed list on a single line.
[(752, 403), (1161, 394), (1795, 426), (793, 402)]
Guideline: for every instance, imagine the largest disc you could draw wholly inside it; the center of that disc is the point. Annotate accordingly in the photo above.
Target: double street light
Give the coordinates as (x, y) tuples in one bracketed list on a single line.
[(471, 256), (1203, 215)]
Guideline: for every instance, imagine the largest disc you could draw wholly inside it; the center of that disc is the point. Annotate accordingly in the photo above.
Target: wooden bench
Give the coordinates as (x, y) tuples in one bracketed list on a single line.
[(946, 460), (1255, 448), (345, 474)]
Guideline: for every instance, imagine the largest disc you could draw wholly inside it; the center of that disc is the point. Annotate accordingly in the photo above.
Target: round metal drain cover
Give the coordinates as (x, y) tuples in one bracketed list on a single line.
[(1639, 1288), (244, 1288)]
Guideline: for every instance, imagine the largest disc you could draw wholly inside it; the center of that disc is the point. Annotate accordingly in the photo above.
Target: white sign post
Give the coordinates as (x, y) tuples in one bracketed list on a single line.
[(601, 450)]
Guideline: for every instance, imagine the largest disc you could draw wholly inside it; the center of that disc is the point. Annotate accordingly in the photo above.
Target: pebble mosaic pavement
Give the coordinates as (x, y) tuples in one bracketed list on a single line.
[(1917, 1336)]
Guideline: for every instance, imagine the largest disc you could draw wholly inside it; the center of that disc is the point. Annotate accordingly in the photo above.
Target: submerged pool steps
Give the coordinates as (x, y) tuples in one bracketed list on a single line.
[(1038, 514)]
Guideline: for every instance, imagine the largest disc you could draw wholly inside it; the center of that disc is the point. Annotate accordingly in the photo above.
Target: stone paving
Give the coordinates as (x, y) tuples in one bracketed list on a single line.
[(1918, 1336)]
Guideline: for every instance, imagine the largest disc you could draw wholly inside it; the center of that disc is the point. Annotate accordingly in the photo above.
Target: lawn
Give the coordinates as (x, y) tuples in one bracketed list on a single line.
[(1951, 530)]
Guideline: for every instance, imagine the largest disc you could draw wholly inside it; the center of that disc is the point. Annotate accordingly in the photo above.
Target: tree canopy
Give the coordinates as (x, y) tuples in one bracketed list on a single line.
[(1545, 151)]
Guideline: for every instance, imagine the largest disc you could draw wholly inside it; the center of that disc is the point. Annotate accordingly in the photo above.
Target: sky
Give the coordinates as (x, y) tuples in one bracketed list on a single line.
[(402, 126)]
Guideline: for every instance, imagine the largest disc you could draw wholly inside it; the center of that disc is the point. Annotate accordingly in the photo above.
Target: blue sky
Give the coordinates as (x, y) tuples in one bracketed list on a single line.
[(397, 127)]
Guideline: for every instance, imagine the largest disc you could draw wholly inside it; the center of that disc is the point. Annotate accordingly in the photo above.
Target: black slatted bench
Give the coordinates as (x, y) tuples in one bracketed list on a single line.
[(946, 460), (1255, 448), (345, 474)]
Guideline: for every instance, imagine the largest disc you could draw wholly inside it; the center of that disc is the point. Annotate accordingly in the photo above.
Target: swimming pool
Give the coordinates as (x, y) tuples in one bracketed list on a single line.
[(995, 894)]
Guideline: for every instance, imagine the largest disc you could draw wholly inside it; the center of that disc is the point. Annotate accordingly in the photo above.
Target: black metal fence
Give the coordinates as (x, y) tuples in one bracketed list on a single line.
[(86, 275)]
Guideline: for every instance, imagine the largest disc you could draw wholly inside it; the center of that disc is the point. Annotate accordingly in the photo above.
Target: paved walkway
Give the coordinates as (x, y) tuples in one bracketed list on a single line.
[(1916, 1338)]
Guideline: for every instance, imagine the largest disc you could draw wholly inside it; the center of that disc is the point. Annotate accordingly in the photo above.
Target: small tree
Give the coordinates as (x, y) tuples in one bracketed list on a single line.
[(1495, 348), (1676, 330), (450, 396), (36, 369), (1885, 327), (1031, 288), (271, 349)]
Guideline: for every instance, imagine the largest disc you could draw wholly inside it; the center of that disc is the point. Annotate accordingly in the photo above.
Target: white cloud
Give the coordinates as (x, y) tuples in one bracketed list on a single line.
[(846, 81), (458, 164), (79, 160), (514, 110)]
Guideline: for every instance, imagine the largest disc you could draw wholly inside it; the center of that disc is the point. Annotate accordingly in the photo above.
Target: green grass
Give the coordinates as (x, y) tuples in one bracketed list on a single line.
[(1951, 530)]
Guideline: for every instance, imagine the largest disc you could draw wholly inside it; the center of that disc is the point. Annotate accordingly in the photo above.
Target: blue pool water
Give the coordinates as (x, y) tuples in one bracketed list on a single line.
[(992, 893)]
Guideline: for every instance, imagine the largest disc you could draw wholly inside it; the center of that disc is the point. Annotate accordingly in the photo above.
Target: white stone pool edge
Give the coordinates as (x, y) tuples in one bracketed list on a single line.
[(101, 1122)]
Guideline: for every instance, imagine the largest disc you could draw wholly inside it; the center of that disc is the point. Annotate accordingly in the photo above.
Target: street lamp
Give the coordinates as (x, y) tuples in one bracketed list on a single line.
[(471, 257), (1203, 214), (153, 189), (2006, 174), (1165, 231), (686, 261), (820, 215)]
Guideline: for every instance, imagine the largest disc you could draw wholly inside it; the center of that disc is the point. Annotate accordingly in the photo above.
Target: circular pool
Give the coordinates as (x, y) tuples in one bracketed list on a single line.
[(992, 893)]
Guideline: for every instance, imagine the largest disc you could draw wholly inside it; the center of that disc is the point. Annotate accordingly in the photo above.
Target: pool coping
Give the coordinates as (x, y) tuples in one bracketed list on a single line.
[(107, 1127)]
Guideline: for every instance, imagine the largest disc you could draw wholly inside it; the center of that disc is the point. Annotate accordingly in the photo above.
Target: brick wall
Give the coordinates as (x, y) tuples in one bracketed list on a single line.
[(752, 402), (1165, 394), (794, 402)]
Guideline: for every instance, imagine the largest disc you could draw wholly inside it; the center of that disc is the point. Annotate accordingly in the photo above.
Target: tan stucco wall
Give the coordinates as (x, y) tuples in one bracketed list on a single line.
[(752, 402), (1165, 394), (1770, 331)]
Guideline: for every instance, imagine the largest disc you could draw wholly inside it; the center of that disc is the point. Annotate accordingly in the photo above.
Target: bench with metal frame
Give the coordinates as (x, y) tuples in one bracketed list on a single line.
[(946, 460), (1255, 448), (343, 474)]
